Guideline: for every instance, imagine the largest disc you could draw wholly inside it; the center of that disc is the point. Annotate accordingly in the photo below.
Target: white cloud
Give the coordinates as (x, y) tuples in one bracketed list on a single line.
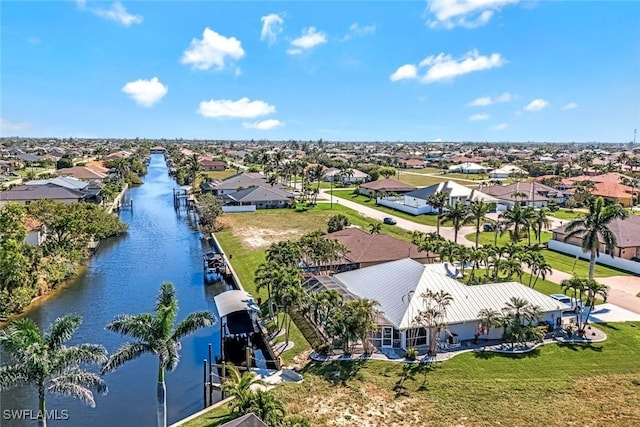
[(444, 67), (477, 117), (463, 13), (8, 126), (404, 72), (263, 125), (570, 106), (536, 105), (117, 12), (500, 126), (271, 27), (308, 40), (145, 92), (355, 30), (242, 108), (212, 49), (487, 100)]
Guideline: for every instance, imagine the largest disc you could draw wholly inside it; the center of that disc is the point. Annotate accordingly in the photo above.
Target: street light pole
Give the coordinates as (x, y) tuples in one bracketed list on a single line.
[(331, 192)]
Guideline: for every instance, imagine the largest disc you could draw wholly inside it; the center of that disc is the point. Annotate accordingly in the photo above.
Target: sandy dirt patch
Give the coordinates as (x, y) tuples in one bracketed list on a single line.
[(257, 238)]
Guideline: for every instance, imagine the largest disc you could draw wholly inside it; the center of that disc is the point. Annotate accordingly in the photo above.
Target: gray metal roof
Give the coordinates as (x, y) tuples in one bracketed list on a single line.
[(259, 194), (62, 181), (398, 286), (231, 301)]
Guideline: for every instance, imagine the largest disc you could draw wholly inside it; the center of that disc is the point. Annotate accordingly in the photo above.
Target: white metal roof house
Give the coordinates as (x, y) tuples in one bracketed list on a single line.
[(468, 167), (398, 286), (507, 171)]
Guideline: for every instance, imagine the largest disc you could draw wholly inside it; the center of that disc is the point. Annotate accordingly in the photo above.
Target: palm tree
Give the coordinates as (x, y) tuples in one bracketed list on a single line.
[(193, 167), (516, 217), (477, 212), (539, 267), (458, 214), (375, 228), (43, 360), (595, 226), (489, 318), (438, 201), (434, 314), (241, 388), (156, 334), (540, 221), (593, 290), (268, 408)]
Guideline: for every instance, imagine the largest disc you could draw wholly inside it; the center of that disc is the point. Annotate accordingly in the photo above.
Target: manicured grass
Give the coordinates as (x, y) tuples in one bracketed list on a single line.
[(25, 171), (418, 180), (422, 170), (365, 201), (216, 416), (567, 214), (488, 238), (482, 389), (470, 176), (221, 174), (568, 264)]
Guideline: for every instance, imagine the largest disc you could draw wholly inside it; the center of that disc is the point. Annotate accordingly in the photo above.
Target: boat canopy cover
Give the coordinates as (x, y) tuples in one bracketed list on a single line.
[(232, 301)]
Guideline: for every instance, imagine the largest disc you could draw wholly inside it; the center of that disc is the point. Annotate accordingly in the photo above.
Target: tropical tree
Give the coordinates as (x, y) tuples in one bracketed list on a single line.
[(538, 265), (433, 315), (489, 318), (540, 221), (594, 227), (375, 227), (593, 290), (517, 217), (241, 388), (477, 212), (458, 214), (438, 201), (156, 334), (352, 321), (337, 223), (285, 252), (387, 171), (193, 167), (44, 360)]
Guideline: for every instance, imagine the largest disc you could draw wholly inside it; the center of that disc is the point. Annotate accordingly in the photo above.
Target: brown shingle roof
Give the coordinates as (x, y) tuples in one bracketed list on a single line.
[(364, 247), (388, 185), (627, 231)]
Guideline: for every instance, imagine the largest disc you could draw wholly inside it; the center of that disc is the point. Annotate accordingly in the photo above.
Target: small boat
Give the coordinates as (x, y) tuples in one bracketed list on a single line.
[(214, 267)]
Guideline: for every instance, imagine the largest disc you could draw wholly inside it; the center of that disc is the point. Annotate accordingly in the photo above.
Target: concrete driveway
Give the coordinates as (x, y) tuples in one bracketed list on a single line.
[(612, 313)]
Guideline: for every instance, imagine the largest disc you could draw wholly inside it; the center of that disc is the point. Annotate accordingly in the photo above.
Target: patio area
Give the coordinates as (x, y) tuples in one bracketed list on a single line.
[(446, 352)]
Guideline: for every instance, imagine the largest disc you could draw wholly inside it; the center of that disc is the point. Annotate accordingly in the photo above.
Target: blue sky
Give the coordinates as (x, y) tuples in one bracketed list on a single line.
[(450, 70)]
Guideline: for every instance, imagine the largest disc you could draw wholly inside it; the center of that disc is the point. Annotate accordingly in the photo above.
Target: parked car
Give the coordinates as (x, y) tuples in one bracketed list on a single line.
[(487, 227), (11, 174), (389, 220)]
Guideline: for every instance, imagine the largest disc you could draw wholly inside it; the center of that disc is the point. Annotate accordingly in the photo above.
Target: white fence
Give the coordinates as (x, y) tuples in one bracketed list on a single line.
[(402, 207), (622, 264), (232, 209)]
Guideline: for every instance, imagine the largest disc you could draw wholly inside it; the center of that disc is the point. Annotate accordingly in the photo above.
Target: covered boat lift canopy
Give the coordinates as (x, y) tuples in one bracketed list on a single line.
[(231, 301)]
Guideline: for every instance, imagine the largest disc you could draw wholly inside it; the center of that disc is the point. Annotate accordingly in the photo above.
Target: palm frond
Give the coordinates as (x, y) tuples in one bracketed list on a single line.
[(61, 331), (16, 338), (76, 355), (166, 296), (125, 353), (193, 322), (74, 390), (138, 326), (82, 378), (13, 376)]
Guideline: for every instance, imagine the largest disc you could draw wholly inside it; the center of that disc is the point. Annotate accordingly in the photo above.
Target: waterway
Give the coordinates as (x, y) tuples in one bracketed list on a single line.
[(123, 278)]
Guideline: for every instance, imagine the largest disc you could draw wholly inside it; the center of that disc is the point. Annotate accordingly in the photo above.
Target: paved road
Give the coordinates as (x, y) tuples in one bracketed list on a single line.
[(446, 232), (623, 289)]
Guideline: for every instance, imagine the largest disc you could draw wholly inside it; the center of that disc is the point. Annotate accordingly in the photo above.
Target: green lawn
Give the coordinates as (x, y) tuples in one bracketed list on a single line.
[(469, 176), (556, 384), (489, 237), (567, 214), (25, 171), (365, 201), (568, 264)]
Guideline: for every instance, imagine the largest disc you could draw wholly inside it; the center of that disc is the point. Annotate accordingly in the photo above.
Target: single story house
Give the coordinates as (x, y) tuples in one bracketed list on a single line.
[(385, 186), (609, 186), (398, 285), (366, 249), (212, 165), (626, 254), (262, 197), (414, 163), (507, 171), (468, 167), (84, 173), (529, 193), (62, 181), (25, 194), (338, 175), (238, 182), (419, 199)]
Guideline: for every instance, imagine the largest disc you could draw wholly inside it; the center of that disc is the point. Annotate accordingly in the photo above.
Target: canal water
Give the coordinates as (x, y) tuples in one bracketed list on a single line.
[(123, 278)]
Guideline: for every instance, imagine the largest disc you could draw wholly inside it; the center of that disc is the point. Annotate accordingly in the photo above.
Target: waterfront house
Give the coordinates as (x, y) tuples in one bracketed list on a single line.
[(36, 231), (259, 197), (212, 165), (26, 194), (626, 254), (83, 173), (238, 182), (398, 285)]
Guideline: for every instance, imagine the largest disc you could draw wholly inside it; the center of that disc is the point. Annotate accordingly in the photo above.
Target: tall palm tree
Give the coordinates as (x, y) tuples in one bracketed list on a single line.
[(43, 360), (477, 213), (540, 221), (438, 201), (489, 318), (516, 217), (595, 226), (193, 167), (156, 334), (458, 214), (434, 314), (539, 267), (593, 290)]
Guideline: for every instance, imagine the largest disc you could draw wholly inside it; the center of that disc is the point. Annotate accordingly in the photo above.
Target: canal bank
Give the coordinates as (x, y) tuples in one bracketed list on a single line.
[(123, 278)]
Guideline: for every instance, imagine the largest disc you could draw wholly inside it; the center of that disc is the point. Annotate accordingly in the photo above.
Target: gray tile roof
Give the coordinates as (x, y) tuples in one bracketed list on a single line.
[(62, 181), (37, 192), (260, 194), (627, 231)]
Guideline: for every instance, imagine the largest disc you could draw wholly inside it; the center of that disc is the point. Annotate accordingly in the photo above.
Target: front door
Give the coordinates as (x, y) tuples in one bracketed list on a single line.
[(387, 336)]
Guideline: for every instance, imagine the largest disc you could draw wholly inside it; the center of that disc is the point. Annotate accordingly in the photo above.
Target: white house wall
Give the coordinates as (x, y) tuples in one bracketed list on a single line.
[(573, 250)]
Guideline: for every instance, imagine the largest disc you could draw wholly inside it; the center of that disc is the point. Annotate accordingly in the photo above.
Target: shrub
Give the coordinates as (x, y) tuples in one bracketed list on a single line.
[(412, 353)]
